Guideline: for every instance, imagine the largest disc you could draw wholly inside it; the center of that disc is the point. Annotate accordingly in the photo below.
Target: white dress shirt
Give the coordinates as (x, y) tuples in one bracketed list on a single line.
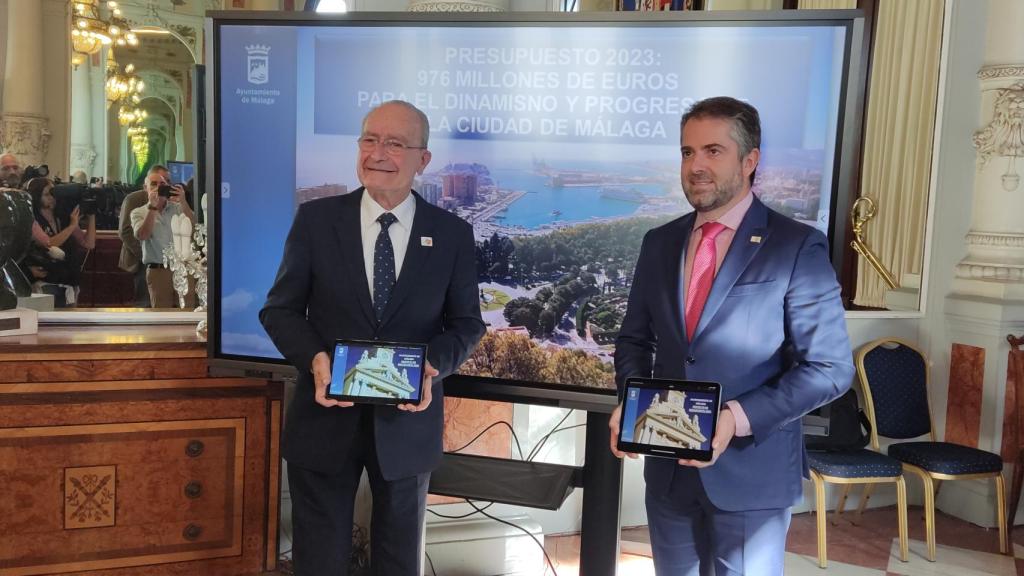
[(399, 232)]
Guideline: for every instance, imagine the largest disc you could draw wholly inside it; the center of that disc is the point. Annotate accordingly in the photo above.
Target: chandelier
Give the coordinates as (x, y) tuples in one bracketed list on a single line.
[(138, 136), (130, 116), (90, 31), (138, 141), (122, 86)]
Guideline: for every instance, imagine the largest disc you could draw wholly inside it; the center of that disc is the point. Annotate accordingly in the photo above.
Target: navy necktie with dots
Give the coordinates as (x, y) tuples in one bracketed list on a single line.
[(383, 265)]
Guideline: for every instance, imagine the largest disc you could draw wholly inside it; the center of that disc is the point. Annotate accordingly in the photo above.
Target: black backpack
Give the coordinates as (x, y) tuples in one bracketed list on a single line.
[(837, 426)]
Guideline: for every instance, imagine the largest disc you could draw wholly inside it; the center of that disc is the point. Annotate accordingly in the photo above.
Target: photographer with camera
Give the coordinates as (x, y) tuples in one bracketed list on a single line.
[(58, 272), (152, 225), (11, 177)]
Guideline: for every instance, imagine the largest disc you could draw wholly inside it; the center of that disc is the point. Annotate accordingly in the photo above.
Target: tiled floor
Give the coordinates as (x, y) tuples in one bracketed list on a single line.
[(868, 548)]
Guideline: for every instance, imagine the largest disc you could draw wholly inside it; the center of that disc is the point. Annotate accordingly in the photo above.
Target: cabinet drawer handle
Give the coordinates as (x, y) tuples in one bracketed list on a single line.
[(194, 448), (192, 532), (193, 490)]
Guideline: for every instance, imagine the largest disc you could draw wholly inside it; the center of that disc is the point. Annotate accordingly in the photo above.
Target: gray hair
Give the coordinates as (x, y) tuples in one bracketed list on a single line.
[(423, 121)]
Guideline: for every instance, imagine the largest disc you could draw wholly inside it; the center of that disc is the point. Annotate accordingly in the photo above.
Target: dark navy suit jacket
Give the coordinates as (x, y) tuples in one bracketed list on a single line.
[(772, 333), (321, 294)]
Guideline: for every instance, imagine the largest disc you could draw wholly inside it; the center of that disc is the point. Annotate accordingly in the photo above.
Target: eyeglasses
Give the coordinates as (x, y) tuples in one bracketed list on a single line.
[(391, 146)]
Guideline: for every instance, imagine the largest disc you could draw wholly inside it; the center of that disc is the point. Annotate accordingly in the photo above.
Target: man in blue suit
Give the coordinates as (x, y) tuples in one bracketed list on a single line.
[(741, 295), (382, 264)]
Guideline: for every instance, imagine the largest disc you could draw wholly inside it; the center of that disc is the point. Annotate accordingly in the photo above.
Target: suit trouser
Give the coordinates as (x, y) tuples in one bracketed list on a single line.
[(323, 506), (691, 536)]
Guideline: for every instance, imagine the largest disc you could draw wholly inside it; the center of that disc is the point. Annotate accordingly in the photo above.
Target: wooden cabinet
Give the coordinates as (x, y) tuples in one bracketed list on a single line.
[(128, 459)]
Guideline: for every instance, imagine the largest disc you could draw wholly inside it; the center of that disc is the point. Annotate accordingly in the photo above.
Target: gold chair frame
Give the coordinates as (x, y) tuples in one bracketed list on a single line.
[(1016, 368), (928, 479), (869, 482)]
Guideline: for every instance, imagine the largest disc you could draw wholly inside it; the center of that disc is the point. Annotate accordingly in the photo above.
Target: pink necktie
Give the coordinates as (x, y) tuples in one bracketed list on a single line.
[(702, 275)]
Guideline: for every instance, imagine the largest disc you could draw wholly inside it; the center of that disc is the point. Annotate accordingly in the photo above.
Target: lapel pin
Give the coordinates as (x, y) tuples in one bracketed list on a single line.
[(426, 241), (755, 239)]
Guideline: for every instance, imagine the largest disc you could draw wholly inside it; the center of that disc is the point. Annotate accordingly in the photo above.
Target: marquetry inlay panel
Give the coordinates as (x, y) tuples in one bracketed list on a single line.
[(89, 496)]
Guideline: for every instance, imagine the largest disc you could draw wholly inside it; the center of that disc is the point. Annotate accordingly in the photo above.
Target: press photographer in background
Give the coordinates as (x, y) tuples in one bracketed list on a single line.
[(151, 223), (58, 271)]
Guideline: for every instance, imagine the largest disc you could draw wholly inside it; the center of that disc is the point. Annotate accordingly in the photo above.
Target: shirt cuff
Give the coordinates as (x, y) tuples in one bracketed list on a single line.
[(742, 423)]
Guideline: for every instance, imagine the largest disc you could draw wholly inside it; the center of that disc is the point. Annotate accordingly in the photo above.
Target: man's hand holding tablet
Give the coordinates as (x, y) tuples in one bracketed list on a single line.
[(375, 372), (672, 419), (322, 379)]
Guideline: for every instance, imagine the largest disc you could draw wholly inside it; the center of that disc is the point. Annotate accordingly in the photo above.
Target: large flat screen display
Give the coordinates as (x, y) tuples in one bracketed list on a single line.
[(556, 137)]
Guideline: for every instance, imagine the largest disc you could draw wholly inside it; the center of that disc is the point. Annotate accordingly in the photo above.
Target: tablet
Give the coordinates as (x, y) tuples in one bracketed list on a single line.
[(377, 372), (669, 418)]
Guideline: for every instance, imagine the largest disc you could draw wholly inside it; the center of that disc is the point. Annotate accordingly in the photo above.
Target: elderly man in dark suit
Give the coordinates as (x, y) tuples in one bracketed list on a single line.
[(738, 294), (379, 263)]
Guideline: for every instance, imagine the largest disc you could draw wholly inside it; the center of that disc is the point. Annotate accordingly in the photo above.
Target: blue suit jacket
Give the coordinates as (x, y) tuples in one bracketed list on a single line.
[(321, 294), (772, 333)]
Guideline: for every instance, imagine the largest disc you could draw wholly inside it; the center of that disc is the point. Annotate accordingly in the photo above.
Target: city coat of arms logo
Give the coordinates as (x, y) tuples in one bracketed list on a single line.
[(258, 63)]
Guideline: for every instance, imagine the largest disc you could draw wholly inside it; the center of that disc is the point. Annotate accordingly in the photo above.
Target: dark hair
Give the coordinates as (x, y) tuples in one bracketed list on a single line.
[(35, 187), (746, 122)]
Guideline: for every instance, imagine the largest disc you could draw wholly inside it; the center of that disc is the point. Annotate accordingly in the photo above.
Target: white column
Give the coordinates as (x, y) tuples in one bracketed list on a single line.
[(83, 152), (994, 265), (24, 128), (987, 298), (100, 131)]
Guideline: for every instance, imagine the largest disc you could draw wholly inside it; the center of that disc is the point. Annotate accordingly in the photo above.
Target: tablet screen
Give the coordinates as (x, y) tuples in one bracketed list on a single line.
[(671, 418), (377, 372)]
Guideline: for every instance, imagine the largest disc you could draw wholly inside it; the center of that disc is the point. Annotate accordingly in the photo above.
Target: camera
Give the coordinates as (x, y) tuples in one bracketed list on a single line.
[(41, 171), (165, 190), (88, 201)]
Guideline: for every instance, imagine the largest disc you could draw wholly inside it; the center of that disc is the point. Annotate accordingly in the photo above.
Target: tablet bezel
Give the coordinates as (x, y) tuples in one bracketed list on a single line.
[(667, 384), (378, 344)]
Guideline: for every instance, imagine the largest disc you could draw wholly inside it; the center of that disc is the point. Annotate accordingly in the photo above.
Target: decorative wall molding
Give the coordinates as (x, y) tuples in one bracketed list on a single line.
[(188, 28), (26, 136), (1004, 135), (463, 6), (998, 272), (996, 239), (161, 86), (1001, 71), (82, 158)]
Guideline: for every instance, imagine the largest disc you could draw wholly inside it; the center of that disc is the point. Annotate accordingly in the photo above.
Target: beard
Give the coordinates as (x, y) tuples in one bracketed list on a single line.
[(12, 180), (718, 196)]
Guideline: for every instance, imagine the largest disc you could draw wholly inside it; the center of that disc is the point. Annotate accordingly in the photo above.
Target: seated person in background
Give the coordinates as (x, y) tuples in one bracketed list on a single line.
[(151, 223), (58, 272)]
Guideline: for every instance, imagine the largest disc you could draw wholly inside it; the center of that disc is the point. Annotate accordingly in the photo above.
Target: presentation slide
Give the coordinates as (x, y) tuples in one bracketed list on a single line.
[(559, 144)]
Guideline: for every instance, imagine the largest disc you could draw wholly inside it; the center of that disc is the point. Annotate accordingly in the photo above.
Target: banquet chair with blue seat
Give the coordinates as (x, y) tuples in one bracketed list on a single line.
[(849, 467), (894, 376)]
